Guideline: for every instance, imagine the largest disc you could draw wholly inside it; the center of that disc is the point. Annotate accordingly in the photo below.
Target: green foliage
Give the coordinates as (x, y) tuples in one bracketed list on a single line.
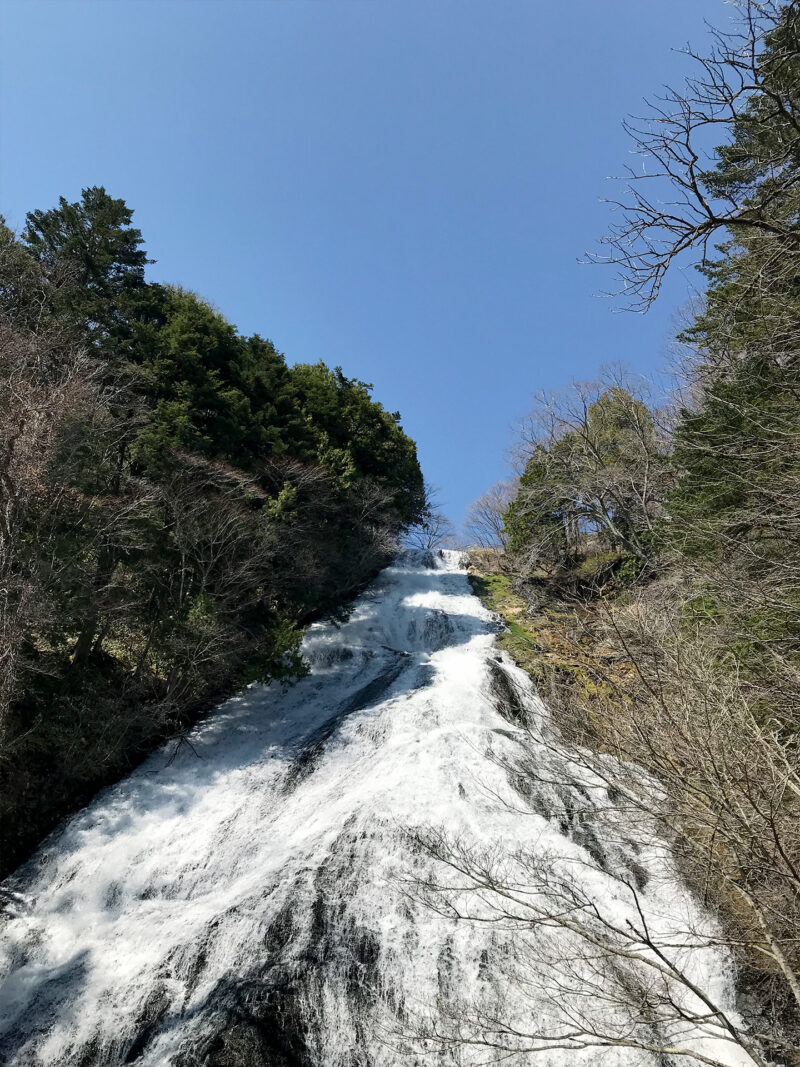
[(599, 468), (540, 513), (278, 656), (91, 254), (759, 165), (176, 502), (735, 510), (354, 436), (490, 587), (630, 571)]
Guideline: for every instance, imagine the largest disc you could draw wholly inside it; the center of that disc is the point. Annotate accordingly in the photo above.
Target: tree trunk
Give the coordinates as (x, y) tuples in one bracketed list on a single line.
[(106, 565)]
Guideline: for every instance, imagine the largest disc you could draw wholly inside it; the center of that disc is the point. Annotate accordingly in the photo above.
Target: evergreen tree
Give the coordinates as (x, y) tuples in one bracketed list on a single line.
[(601, 466), (174, 502), (94, 253)]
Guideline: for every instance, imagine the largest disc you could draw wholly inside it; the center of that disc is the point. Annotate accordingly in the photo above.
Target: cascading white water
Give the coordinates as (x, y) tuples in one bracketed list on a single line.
[(260, 898)]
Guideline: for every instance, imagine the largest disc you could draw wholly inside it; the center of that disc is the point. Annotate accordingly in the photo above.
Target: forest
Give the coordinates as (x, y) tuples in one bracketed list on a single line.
[(176, 501), (647, 557), (406, 848)]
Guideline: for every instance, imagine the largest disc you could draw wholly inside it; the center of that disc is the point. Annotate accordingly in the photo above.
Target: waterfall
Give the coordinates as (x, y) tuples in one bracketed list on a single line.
[(296, 885)]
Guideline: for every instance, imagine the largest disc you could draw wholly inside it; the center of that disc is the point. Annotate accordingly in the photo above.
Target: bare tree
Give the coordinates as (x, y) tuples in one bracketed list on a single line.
[(484, 522), (584, 955), (46, 387), (703, 773), (595, 460), (573, 971), (675, 202), (732, 789), (434, 530)]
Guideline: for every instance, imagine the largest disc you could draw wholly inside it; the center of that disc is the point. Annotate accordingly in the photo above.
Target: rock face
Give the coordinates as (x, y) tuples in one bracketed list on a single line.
[(269, 895)]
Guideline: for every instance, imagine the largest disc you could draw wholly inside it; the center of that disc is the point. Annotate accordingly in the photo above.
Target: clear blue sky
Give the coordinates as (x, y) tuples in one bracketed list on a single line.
[(399, 187)]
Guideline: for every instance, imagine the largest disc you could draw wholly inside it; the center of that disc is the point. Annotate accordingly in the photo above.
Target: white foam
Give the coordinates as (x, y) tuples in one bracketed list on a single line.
[(161, 901)]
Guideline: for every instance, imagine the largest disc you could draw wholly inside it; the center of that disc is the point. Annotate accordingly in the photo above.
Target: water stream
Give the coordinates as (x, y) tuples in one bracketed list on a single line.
[(262, 899)]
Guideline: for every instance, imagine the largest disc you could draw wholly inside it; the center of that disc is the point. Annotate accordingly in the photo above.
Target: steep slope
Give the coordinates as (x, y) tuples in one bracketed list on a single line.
[(272, 894)]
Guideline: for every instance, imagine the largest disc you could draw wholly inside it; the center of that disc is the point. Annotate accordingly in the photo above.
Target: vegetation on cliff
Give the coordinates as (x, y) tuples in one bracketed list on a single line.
[(175, 500), (651, 563)]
